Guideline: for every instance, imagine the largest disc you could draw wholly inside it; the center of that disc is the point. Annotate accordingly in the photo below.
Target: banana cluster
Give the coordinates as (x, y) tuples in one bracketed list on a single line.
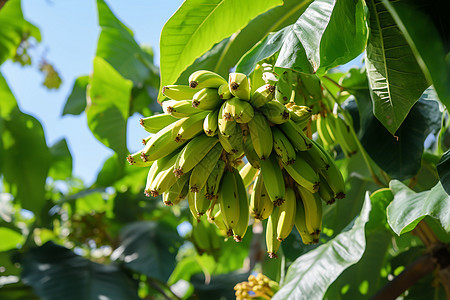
[(332, 129), (210, 127), (259, 287)]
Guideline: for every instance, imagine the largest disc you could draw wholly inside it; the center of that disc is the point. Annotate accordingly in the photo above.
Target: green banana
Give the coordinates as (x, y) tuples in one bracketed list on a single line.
[(179, 109), (210, 123), (202, 204), (155, 123), (275, 112), (241, 111), (187, 128), (160, 144), (213, 183), (283, 147), (322, 131), (313, 211), (296, 135), (283, 89), (260, 204), (191, 203), (229, 200), (175, 193), (164, 179), (262, 95), (206, 99), (261, 135), (344, 137), (248, 173), (256, 79), (225, 122), (239, 85), (286, 215), (325, 191), (273, 179), (203, 169), (205, 79), (333, 175), (300, 114), (156, 167), (179, 92), (272, 243), (220, 224), (241, 227), (300, 224), (304, 174), (315, 158), (234, 142), (224, 92), (200, 237), (193, 153), (135, 159), (250, 152)]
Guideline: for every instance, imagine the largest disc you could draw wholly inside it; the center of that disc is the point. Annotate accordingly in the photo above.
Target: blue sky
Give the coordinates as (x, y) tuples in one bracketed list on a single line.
[(69, 32)]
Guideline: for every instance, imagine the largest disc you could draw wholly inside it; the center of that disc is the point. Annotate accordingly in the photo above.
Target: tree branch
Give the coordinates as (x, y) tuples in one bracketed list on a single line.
[(418, 269)]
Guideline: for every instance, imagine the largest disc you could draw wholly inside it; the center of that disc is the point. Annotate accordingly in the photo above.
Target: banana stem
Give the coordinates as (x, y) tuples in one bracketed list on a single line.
[(341, 88), (360, 147)]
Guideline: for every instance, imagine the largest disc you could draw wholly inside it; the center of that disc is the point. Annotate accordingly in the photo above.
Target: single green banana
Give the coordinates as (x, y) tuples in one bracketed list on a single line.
[(234, 142), (325, 191), (241, 227), (193, 153), (333, 175), (224, 92), (187, 128), (304, 174), (283, 147), (200, 236), (322, 131), (300, 224), (229, 200), (184, 192), (250, 153), (262, 95), (206, 99), (179, 109), (156, 167), (160, 144), (155, 123), (272, 243), (248, 173), (210, 123), (179, 92), (261, 135), (174, 193), (300, 114), (315, 158), (344, 137), (205, 79), (164, 179), (213, 183), (225, 122), (275, 112), (241, 111), (202, 204), (311, 82), (286, 215), (203, 169), (191, 203), (260, 204), (135, 159), (273, 179), (239, 85), (296, 135), (313, 211), (221, 225)]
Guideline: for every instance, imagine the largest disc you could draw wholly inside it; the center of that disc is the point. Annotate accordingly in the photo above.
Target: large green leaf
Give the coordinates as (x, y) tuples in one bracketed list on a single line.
[(409, 208), (26, 155), (117, 46), (327, 34), (108, 106), (14, 28), (310, 275), (10, 239), (395, 78), (57, 273), (425, 41), (405, 154), (76, 102), (443, 168), (197, 25), (149, 248), (61, 167)]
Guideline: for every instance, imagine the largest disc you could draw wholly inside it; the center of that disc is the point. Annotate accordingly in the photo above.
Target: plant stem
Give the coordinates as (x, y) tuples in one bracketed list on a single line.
[(341, 88)]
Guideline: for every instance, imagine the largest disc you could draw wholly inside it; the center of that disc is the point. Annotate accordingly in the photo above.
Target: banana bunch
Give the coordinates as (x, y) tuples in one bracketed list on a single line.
[(197, 148), (259, 287)]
